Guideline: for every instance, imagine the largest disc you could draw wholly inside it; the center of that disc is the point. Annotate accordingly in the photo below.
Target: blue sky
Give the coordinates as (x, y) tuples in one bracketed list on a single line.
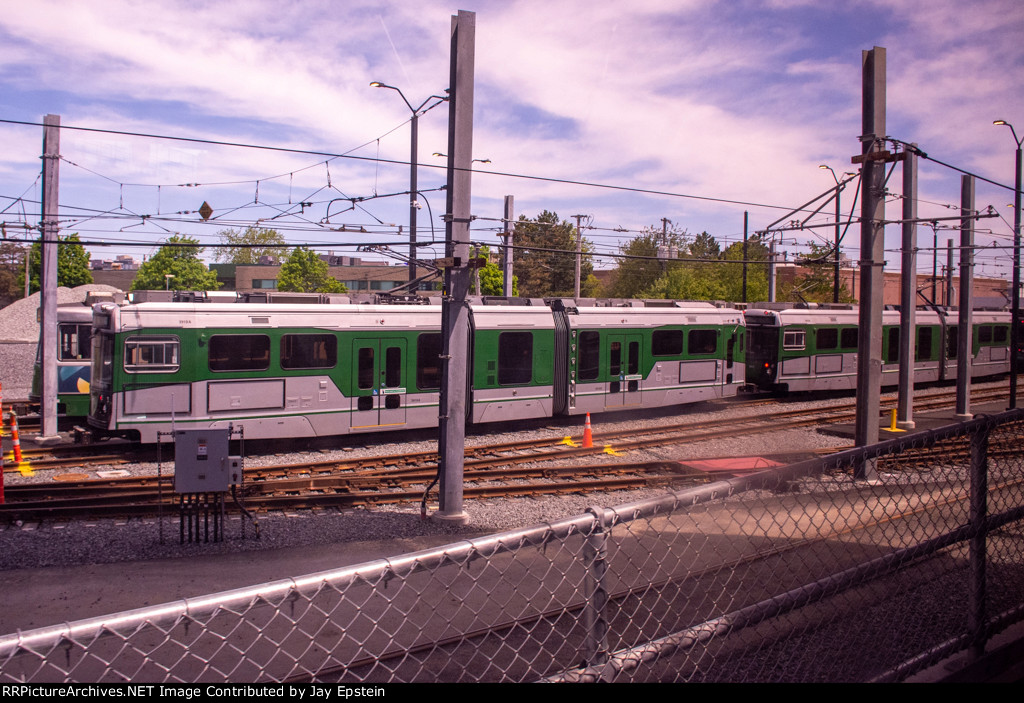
[(726, 101)]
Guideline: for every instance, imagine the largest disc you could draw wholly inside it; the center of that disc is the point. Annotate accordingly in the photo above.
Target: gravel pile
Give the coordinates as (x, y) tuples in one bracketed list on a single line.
[(18, 320), (19, 336)]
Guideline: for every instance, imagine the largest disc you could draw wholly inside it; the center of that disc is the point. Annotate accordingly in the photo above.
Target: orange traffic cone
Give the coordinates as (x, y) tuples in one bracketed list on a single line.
[(588, 435)]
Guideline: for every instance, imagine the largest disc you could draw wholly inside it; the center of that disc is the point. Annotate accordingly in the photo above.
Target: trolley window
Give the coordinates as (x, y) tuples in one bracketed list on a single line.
[(924, 343), (428, 361), (151, 354), (985, 334), (103, 359), (589, 356), (827, 338), (515, 358), (848, 338), (392, 367), (667, 343), (702, 341), (239, 352), (892, 353), (75, 342), (365, 370), (952, 342), (1002, 334), (309, 351), (794, 340)]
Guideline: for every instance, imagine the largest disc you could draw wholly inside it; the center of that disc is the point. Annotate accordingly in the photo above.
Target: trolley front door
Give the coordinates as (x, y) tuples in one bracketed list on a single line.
[(623, 365), (379, 383)]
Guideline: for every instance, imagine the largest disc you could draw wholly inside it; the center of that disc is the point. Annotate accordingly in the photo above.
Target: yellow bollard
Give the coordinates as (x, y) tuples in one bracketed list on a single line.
[(892, 423)]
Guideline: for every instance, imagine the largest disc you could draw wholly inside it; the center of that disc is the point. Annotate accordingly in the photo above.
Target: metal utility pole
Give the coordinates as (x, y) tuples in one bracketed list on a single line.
[(48, 279), (965, 334), (872, 254), (476, 270), (579, 254), (771, 271), (908, 292), (949, 273), (835, 277), (414, 124), (510, 229), (454, 309), (1015, 340), (839, 214), (746, 216)]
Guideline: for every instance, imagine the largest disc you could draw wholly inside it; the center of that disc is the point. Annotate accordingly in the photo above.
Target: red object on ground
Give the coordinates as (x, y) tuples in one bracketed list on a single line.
[(588, 435), (14, 438)]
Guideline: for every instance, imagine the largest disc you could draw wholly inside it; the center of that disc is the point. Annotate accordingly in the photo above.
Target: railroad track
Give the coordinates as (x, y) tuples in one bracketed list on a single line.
[(507, 469)]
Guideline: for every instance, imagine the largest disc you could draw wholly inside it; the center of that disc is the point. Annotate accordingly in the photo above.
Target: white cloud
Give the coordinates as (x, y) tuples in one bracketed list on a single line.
[(722, 100)]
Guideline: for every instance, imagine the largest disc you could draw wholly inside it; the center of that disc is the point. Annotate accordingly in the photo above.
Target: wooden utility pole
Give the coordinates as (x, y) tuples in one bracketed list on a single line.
[(454, 308)]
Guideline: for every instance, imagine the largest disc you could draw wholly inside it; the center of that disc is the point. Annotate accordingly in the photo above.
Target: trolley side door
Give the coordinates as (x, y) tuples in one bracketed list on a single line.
[(379, 385), (623, 366)]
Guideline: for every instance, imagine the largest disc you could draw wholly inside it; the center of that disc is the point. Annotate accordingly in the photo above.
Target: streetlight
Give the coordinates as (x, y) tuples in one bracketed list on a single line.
[(413, 205), (167, 280), (835, 284), (1015, 305)]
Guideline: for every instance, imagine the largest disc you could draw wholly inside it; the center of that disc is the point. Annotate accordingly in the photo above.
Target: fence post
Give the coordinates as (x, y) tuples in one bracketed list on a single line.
[(978, 515), (595, 560)]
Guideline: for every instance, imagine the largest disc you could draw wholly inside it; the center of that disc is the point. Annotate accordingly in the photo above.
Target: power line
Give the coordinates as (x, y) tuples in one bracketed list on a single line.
[(543, 179)]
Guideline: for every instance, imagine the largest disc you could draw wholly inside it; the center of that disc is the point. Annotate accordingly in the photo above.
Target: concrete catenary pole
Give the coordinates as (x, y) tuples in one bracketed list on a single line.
[(454, 308), (510, 229), (48, 279), (579, 256), (872, 254), (965, 333), (908, 293)]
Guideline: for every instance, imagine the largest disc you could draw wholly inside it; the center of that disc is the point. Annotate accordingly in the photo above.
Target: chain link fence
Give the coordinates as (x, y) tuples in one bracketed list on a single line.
[(867, 565)]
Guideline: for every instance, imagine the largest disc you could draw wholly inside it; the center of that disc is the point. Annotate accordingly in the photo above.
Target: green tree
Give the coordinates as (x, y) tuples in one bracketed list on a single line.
[(12, 272), (815, 285), (72, 264), (492, 279), (545, 257), (246, 247), (640, 266), (712, 274), (690, 281), (179, 258), (757, 273), (306, 272), (705, 246)]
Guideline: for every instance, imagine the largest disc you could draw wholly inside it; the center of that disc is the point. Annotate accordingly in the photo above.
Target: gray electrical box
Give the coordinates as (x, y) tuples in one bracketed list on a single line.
[(202, 463)]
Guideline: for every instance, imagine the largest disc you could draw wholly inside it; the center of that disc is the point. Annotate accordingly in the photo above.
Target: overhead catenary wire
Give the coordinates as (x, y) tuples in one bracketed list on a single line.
[(330, 155), (221, 219)]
